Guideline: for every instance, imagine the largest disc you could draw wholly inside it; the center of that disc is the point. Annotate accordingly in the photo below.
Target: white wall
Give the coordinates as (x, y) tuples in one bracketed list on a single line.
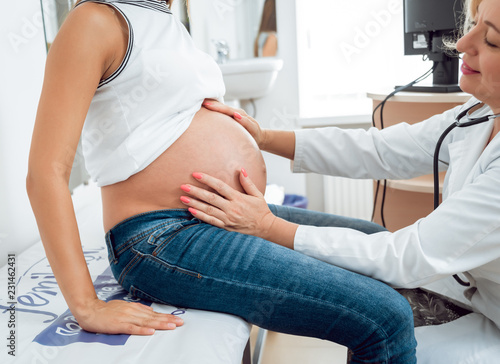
[(333, 51), (237, 22), (234, 21), (348, 48), (22, 60), (281, 108)]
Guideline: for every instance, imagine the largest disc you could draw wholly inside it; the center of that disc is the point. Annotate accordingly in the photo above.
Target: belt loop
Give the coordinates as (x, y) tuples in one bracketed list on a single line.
[(111, 249)]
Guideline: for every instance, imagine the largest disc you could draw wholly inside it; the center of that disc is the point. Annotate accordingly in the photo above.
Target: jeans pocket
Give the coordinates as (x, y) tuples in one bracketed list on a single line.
[(165, 231), (161, 236)]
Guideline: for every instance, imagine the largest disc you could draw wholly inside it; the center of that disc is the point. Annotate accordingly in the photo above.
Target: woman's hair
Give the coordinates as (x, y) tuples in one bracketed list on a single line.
[(470, 7), (467, 20)]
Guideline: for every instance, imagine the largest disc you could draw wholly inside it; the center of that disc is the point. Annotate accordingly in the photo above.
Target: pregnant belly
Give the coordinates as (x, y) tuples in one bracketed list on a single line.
[(214, 144)]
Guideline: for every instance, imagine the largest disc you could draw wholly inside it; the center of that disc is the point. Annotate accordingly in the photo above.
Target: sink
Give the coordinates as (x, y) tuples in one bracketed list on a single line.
[(250, 78)]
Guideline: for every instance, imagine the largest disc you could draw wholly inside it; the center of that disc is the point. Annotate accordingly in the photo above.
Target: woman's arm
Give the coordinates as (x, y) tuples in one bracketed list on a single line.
[(86, 46), (279, 142)]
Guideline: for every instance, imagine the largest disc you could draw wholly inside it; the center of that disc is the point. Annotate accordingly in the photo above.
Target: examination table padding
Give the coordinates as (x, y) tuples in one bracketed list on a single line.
[(46, 332)]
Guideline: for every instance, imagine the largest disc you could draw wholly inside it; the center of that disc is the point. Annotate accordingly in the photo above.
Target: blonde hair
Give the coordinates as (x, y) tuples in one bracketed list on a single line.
[(470, 7), (467, 19)]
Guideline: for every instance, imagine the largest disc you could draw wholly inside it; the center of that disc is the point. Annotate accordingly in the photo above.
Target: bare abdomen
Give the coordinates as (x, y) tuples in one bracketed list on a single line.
[(214, 144)]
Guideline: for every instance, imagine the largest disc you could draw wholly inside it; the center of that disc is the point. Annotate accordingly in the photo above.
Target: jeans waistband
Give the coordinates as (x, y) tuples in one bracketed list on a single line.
[(125, 233)]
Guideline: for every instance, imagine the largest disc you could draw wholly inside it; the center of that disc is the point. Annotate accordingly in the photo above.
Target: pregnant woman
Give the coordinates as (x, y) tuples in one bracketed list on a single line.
[(125, 76)]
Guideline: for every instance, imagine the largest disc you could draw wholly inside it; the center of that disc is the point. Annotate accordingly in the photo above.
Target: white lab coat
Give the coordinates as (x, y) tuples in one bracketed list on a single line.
[(462, 235)]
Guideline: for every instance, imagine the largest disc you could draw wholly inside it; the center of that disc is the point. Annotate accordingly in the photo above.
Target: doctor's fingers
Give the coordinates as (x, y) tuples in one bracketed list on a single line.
[(241, 117), (222, 189), (223, 108), (207, 217), (199, 198), (204, 212)]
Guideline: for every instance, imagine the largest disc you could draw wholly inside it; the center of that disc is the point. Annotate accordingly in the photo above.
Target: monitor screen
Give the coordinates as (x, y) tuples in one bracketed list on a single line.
[(424, 19), (426, 24), (431, 15)]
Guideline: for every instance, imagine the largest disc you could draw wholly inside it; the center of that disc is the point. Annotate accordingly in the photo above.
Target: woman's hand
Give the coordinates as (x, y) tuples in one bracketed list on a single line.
[(121, 317), (249, 123), (230, 209)]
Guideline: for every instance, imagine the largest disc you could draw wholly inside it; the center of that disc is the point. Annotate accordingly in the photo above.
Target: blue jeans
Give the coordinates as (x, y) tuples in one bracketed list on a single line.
[(170, 257)]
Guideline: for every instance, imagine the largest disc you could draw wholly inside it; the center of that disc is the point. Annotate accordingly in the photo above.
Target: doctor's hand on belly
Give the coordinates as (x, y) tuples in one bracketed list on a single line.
[(250, 124), (227, 208), (279, 142)]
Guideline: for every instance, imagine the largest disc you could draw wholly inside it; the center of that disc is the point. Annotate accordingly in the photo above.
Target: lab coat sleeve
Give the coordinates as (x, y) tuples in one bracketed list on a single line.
[(401, 151), (462, 234)]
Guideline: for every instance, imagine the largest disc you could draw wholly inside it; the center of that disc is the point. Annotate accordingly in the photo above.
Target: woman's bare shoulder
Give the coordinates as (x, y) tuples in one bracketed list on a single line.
[(94, 31), (93, 11), (96, 20)]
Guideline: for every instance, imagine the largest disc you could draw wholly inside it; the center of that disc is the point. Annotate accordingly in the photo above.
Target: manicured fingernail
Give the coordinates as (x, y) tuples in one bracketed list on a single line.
[(151, 331), (207, 104), (185, 188), (238, 116), (171, 326), (193, 211), (185, 199), (244, 172), (197, 175)]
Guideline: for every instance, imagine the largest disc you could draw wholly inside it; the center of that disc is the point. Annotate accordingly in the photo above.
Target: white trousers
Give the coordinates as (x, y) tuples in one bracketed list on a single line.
[(472, 339)]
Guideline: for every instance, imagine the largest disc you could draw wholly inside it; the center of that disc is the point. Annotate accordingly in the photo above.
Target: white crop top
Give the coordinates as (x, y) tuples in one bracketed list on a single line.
[(150, 100)]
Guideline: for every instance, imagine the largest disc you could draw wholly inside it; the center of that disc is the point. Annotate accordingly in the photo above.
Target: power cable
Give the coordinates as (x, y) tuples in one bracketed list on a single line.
[(381, 106)]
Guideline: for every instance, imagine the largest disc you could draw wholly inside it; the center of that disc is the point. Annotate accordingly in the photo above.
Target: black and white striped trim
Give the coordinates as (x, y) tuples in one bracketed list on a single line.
[(149, 4), (129, 45), (127, 53)]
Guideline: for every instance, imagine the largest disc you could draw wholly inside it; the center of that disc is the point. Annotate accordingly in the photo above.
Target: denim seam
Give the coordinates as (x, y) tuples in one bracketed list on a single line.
[(154, 257), (170, 266), (111, 251), (128, 268), (138, 256), (156, 235), (167, 241), (134, 239), (134, 289), (151, 230)]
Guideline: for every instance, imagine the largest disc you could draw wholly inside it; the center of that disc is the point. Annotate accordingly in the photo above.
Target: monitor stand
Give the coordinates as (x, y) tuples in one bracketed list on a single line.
[(444, 77), (433, 88)]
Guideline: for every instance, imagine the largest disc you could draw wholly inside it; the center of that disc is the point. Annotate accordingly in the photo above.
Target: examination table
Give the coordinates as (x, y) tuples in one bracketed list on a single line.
[(41, 329)]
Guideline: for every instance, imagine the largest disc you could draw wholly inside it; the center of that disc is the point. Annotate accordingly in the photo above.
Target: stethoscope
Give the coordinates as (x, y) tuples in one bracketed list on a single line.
[(458, 123)]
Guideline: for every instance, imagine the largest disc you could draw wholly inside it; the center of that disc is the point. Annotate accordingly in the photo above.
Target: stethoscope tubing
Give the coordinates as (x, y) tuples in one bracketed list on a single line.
[(456, 124)]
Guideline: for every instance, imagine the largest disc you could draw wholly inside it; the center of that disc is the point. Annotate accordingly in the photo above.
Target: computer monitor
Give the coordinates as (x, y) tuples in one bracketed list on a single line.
[(426, 24)]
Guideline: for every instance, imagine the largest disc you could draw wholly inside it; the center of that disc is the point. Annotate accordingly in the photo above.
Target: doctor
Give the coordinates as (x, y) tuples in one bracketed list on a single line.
[(462, 236)]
